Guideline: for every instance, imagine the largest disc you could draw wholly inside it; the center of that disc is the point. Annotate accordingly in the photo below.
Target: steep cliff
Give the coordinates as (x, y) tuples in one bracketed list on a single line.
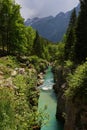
[(73, 112), (59, 89), (76, 116)]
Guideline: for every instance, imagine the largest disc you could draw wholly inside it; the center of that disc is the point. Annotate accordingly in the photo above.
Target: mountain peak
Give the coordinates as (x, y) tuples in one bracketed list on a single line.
[(52, 28), (61, 14)]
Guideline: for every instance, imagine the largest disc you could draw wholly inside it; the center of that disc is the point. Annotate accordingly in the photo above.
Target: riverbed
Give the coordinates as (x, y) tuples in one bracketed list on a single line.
[(48, 99)]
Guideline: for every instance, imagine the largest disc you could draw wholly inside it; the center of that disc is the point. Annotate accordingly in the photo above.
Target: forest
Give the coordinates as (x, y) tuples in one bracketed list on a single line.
[(22, 47)]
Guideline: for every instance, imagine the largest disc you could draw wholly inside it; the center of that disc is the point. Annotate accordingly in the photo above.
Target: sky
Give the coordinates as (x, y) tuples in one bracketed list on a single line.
[(43, 8)]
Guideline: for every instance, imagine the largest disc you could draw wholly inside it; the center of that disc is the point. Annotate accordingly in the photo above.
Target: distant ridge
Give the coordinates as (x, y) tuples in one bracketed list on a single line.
[(52, 28)]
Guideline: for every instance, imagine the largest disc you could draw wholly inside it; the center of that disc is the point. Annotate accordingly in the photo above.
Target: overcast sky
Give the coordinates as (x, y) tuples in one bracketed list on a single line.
[(42, 8)]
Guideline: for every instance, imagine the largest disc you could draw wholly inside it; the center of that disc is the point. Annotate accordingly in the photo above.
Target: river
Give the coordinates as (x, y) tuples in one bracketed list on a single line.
[(48, 98)]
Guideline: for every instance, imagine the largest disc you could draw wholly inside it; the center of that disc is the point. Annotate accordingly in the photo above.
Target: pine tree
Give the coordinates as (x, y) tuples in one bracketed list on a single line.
[(81, 34), (11, 26), (30, 35), (37, 46), (16, 31), (70, 37)]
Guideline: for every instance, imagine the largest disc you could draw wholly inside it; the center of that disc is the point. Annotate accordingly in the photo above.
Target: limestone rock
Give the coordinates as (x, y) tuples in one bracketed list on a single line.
[(40, 76), (8, 82), (21, 71), (40, 82), (14, 73), (1, 73)]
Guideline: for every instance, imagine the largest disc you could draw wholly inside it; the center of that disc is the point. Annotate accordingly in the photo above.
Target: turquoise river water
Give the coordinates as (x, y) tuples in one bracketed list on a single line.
[(48, 98)]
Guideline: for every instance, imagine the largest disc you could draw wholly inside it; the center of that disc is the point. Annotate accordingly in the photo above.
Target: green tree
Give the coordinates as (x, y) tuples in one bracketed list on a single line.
[(37, 47), (59, 55), (70, 37), (77, 84), (4, 15), (30, 35), (44, 49), (81, 33), (17, 38), (11, 27)]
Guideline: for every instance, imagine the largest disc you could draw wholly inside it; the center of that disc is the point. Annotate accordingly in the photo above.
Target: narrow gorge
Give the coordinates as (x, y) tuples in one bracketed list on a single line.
[(48, 100)]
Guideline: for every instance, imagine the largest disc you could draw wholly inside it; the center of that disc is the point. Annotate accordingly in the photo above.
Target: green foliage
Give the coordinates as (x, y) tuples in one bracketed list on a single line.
[(81, 31), (53, 48), (77, 83), (37, 47), (21, 112), (60, 53), (40, 47), (11, 27), (15, 37), (32, 93), (43, 117), (57, 53), (45, 50), (9, 61), (69, 64), (7, 109), (39, 64), (7, 64), (20, 82), (30, 35), (76, 51), (18, 103), (70, 37)]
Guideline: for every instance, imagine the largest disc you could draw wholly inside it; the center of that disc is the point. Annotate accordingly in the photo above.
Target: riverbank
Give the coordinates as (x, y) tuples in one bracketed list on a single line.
[(18, 93)]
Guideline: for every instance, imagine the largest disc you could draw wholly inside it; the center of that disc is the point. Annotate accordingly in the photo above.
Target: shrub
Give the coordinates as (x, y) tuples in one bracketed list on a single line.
[(39, 64), (7, 109), (77, 83)]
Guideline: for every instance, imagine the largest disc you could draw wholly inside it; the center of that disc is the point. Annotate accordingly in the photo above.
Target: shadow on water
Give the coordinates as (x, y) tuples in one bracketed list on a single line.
[(49, 99)]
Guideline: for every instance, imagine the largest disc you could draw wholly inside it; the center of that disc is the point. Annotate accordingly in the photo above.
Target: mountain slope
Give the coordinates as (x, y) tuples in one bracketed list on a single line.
[(52, 28)]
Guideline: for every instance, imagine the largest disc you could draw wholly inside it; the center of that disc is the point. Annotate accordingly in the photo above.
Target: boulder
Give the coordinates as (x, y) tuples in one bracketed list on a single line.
[(40, 76), (14, 73), (40, 82), (8, 82), (1, 73), (21, 71), (1, 77)]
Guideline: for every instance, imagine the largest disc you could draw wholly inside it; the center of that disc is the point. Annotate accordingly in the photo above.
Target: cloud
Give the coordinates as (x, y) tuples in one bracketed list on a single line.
[(42, 8)]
